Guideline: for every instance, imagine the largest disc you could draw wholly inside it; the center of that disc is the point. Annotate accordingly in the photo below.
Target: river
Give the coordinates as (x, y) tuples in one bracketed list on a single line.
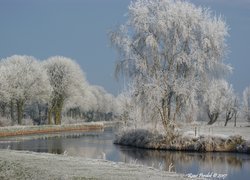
[(100, 145)]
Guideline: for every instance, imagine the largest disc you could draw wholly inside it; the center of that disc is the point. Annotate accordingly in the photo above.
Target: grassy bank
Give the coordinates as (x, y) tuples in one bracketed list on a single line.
[(45, 129), (30, 165)]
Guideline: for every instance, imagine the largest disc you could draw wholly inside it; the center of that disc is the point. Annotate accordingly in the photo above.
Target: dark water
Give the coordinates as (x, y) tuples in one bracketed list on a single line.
[(99, 145)]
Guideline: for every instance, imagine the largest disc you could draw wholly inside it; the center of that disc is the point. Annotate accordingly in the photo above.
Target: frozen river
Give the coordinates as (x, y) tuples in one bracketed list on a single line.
[(99, 145)]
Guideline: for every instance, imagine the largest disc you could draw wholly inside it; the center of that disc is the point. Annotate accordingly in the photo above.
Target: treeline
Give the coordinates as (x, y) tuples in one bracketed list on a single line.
[(56, 91), (44, 92)]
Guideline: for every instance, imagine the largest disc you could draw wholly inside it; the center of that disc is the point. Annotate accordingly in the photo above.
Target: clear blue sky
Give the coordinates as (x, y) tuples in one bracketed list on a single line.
[(78, 29)]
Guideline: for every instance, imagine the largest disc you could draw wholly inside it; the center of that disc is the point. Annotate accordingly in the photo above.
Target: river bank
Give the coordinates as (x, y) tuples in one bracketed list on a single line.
[(46, 129), (30, 165)]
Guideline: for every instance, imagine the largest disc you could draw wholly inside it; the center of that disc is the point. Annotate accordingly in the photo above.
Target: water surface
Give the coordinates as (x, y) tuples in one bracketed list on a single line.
[(99, 145)]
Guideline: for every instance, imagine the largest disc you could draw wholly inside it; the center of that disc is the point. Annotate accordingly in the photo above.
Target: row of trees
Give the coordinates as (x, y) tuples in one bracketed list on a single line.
[(46, 90), (173, 55)]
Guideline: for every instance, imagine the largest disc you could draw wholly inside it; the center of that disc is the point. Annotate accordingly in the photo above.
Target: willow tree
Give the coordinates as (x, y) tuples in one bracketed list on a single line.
[(67, 80), (168, 49)]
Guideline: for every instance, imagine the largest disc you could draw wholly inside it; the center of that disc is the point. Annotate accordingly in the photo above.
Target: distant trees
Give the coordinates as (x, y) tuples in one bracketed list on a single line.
[(48, 91), (94, 105), (103, 105), (170, 50)]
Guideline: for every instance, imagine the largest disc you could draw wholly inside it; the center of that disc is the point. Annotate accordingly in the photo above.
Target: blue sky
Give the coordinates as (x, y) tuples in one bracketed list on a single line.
[(78, 29)]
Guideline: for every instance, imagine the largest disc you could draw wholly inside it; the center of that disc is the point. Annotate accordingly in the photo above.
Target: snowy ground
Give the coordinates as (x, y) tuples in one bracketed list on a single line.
[(242, 129), (30, 165), (190, 137)]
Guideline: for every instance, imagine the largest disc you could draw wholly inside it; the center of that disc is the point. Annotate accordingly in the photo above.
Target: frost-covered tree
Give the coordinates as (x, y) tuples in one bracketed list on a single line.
[(22, 80), (67, 80), (98, 104), (218, 98), (76, 106), (4, 91), (47, 89), (90, 101), (126, 109), (231, 104), (169, 49), (246, 103), (93, 104), (104, 99)]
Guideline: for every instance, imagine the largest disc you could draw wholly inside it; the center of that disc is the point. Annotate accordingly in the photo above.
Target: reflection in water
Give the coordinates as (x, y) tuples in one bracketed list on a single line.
[(55, 147), (222, 163), (99, 145), (96, 145)]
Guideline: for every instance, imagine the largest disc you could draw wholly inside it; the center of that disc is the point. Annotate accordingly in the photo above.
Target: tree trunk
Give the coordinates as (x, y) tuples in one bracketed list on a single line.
[(39, 113), (235, 118), (3, 107), (12, 112), (213, 117), (169, 105), (226, 122), (58, 111), (57, 117), (229, 116), (20, 104), (49, 116), (4, 110), (165, 114)]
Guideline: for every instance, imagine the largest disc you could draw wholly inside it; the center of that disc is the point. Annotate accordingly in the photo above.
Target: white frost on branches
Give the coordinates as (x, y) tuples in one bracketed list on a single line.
[(23, 80), (170, 49), (219, 98), (48, 90)]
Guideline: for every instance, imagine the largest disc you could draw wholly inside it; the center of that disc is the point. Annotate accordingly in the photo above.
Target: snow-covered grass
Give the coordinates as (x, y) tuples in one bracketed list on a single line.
[(30, 165), (217, 129)]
